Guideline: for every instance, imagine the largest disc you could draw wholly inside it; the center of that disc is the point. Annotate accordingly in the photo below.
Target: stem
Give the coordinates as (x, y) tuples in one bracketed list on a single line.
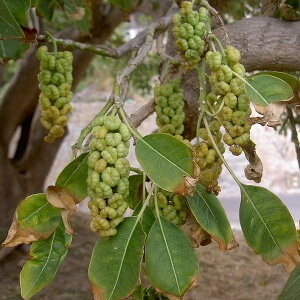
[(139, 216), (202, 95), (136, 170), (53, 40), (133, 131), (214, 38), (85, 131), (220, 154)]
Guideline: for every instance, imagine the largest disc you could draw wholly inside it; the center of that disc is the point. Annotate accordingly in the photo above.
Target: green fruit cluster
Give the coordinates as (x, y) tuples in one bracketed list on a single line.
[(108, 172), (190, 30), (171, 206), (228, 97), (55, 81), (169, 107), (206, 157)]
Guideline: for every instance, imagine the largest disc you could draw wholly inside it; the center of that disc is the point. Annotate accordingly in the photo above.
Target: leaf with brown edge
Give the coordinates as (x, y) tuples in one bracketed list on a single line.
[(268, 227), (211, 216), (59, 198), (271, 114), (254, 170), (34, 218)]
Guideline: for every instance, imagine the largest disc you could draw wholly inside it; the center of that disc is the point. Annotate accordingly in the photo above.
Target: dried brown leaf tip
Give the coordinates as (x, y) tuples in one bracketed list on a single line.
[(23, 235), (271, 115), (59, 198), (254, 170)]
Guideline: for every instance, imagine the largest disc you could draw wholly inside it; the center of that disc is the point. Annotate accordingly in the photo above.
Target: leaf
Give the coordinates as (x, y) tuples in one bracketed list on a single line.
[(79, 14), (167, 161), (211, 216), (73, 177), (291, 289), (45, 9), (288, 78), (266, 89), (13, 14), (268, 227), (148, 217), (271, 114), (123, 4), (116, 262), (254, 170), (135, 190), (43, 261), (171, 262), (59, 198), (34, 218)]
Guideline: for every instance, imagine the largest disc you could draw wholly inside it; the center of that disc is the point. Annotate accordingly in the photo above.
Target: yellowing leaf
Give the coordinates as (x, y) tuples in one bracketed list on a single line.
[(34, 218)]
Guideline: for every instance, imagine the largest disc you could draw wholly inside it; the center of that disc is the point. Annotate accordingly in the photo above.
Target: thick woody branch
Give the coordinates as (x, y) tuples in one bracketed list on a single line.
[(265, 43)]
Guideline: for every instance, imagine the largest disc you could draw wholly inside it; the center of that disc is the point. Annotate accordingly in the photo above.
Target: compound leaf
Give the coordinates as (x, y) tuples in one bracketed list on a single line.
[(268, 226), (116, 262)]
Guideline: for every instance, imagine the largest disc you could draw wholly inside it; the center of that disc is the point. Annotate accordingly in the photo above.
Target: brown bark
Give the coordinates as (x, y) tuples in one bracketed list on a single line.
[(23, 171), (265, 43)]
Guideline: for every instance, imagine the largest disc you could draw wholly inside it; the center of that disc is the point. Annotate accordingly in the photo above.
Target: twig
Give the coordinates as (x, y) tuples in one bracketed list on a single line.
[(216, 14), (137, 118), (107, 51)]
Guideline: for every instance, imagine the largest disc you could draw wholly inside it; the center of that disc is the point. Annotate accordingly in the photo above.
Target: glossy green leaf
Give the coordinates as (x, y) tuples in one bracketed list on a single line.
[(123, 4), (266, 89), (268, 226), (116, 262), (44, 259), (148, 217), (291, 290), (135, 190), (171, 262), (210, 214), (166, 160), (73, 177), (290, 79), (79, 14), (13, 14)]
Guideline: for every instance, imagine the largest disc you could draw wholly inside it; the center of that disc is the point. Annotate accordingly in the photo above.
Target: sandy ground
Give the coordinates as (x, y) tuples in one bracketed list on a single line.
[(238, 274)]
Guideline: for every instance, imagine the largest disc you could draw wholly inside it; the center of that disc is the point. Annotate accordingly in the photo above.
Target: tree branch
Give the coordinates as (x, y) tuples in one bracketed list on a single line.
[(265, 43)]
